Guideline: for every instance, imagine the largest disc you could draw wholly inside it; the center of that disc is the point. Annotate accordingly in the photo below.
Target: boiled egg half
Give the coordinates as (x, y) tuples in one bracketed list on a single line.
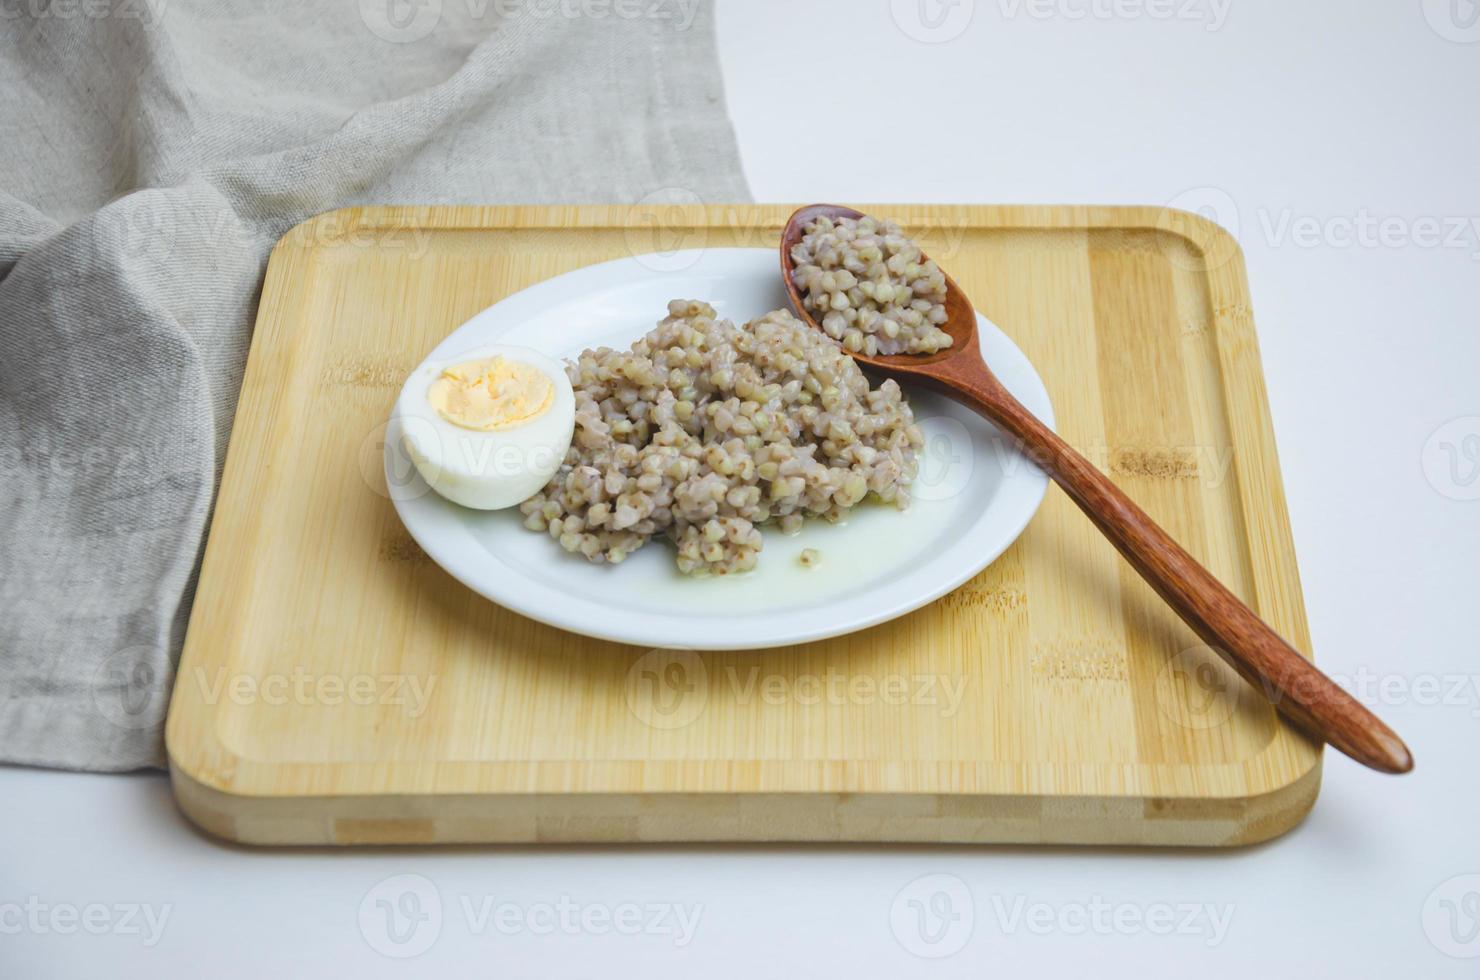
[(488, 427)]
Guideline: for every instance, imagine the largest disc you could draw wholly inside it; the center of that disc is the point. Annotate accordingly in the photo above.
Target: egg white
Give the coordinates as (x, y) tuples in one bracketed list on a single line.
[(486, 470)]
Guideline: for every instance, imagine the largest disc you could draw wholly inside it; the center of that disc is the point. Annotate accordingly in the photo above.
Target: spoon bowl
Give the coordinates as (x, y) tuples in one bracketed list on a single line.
[(1310, 699), (960, 317)]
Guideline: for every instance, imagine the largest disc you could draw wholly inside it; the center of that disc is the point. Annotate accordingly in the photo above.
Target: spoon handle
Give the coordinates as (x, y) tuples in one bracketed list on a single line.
[(1292, 683)]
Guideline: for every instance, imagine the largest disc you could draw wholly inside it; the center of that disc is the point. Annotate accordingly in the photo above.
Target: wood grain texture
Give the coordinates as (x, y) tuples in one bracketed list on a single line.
[(1289, 681), (338, 687)]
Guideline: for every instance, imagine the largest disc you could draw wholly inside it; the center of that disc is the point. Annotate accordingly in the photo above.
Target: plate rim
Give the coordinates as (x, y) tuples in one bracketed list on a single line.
[(689, 261)]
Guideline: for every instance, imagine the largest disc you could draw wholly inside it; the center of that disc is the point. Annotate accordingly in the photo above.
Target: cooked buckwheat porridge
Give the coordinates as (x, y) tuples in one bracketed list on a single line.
[(871, 287), (704, 431)]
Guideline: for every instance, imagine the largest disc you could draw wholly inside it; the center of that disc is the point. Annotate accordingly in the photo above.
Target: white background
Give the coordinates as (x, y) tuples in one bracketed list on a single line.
[(1279, 117)]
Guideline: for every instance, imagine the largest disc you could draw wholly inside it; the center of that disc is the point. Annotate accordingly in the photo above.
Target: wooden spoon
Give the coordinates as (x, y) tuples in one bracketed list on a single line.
[(1293, 684)]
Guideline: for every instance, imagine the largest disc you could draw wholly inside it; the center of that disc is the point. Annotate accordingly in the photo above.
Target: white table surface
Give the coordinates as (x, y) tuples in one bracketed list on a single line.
[(1305, 124)]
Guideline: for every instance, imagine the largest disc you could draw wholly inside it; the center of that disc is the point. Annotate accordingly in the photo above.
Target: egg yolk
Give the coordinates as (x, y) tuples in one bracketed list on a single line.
[(491, 394)]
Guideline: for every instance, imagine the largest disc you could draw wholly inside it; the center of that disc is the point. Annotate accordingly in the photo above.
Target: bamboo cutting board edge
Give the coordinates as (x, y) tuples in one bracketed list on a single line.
[(213, 780), (839, 818)]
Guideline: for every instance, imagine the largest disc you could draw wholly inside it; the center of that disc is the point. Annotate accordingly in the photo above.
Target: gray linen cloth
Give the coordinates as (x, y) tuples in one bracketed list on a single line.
[(151, 152)]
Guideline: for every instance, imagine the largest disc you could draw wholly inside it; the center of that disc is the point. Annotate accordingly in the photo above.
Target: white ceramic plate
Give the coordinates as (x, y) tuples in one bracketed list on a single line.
[(973, 497)]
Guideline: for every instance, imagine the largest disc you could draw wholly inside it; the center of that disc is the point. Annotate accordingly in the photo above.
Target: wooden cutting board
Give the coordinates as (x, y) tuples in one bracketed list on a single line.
[(338, 687)]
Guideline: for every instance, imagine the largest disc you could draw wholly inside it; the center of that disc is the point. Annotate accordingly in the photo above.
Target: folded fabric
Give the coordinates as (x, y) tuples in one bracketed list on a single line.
[(150, 155)]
